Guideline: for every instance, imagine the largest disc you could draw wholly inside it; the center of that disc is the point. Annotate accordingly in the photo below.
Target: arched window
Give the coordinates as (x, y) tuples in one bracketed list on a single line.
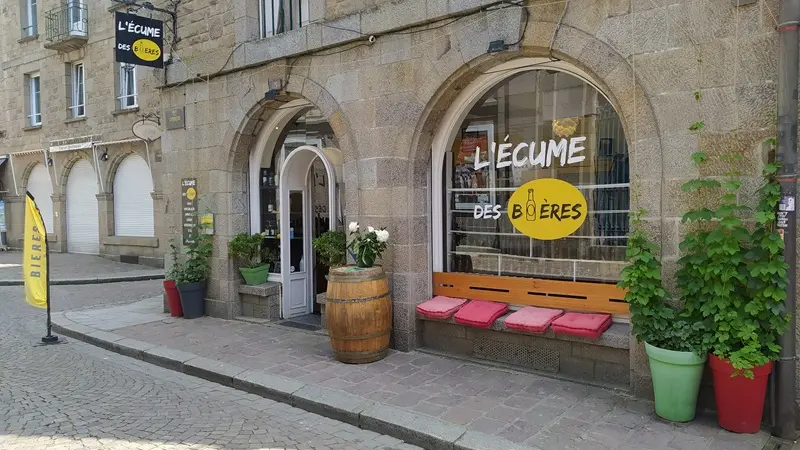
[(133, 204), (572, 134)]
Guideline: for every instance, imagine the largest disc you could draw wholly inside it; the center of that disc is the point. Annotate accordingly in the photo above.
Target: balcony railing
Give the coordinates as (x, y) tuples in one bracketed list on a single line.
[(67, 27)]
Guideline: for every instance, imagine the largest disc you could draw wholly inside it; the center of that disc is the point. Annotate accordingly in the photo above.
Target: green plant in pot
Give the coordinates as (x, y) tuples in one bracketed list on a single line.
[(192, 280), (248, 253), (331, 247), (733, 275), (174, 273), (672, 337)]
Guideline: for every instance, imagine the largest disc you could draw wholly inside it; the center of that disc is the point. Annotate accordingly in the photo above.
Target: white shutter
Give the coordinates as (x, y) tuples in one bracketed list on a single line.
[(83, 224), (42, 190), (133, 205)]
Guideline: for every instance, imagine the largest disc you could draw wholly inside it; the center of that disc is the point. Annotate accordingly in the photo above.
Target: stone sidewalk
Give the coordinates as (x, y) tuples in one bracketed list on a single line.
[(68, 268), (448, 403)]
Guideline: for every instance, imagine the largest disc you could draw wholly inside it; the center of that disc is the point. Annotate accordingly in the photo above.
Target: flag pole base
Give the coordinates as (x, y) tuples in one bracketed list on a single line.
[(50, 339)]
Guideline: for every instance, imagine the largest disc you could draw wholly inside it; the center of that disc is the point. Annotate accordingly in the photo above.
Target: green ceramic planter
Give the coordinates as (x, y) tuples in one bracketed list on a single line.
[(256, 275), (676, 382)]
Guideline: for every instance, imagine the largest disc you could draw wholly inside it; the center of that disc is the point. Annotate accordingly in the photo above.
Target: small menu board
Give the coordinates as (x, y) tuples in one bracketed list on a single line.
[(189, 204)]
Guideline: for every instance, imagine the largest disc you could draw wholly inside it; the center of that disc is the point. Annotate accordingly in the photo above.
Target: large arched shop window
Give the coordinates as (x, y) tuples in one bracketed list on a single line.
[(309, 128), (532, 107)]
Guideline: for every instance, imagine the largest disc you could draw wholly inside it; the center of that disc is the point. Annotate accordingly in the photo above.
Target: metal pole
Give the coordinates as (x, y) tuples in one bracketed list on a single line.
[(787, 176), (50, 338)]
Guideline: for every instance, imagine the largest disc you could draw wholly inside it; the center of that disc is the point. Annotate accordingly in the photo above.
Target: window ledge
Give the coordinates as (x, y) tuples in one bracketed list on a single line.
[(75, 119), (125, 111), (131, 241), (32, 128), (33, 37)]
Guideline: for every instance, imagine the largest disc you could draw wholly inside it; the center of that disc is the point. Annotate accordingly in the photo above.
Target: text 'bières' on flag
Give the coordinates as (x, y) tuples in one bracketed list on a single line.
[(34, 266)]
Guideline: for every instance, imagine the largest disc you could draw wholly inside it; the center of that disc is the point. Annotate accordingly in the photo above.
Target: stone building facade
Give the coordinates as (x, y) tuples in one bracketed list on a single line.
[(85, 117), (391, 77), (393, 95)]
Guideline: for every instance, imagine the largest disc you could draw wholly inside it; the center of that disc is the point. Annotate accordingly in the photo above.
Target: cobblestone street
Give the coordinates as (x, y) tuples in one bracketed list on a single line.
[(76, 396)]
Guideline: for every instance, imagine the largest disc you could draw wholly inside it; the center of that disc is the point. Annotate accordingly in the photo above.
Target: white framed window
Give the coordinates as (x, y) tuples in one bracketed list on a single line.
[(280, 16), (127, 86), (33, 101), (28, 18), (534, 107), (77, 105)]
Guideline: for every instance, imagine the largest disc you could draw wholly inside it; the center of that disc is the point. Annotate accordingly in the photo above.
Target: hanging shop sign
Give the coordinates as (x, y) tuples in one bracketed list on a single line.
[(189, 204), (547, 209), (139, 40), (146, 129)]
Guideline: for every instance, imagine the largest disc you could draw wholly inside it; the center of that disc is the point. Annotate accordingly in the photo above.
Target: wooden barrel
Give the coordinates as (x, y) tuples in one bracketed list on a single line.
[(358, 314)]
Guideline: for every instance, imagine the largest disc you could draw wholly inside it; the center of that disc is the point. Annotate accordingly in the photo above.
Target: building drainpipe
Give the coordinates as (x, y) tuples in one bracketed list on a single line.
[(787, 176)]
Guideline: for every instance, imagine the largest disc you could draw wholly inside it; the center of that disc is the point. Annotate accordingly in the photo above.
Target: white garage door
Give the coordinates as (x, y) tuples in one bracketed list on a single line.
[(83, 227), (42, 190), (133, 205)]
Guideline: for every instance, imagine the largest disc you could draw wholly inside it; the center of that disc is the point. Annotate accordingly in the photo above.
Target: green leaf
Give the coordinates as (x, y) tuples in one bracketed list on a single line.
[(697, 126)]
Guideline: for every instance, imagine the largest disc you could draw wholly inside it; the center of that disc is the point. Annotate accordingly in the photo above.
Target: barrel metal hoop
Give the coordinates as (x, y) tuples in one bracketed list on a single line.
[(363, 336), (337, 279), (356, 300)]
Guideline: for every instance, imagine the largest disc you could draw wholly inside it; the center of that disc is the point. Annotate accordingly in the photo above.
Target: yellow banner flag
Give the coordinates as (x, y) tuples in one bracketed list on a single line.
[(34, 255)]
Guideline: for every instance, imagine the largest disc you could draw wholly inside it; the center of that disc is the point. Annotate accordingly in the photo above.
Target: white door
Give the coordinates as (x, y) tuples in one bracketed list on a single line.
[(83, 223), (42, 190), (133, 205), (295, 225)]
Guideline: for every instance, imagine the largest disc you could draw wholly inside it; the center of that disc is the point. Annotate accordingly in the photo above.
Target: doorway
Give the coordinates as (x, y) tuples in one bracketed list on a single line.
[(308, 190)]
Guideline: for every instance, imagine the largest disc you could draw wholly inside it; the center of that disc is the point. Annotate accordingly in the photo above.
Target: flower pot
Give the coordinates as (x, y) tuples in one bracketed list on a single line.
[(255, 275), (676, 382), (740, 400), (173, 298), (193, 297)]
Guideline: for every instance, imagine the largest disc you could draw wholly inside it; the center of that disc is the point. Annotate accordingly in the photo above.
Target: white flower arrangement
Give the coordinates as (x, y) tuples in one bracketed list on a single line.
[(367, 246)]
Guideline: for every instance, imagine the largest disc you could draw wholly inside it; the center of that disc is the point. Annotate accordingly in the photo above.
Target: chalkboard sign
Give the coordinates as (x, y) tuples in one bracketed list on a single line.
[(189, 205)]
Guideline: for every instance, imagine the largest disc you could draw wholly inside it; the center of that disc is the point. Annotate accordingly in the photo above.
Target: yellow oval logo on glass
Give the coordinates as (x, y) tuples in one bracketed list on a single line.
[(146, 50), (547, 209)]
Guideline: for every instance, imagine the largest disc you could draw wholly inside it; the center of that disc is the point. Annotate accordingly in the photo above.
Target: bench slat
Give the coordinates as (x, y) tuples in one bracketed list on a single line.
[(570, 295)]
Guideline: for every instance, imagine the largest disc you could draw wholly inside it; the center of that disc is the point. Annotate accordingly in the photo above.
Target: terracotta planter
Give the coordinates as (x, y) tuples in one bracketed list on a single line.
[(740, 400), (173, 298)]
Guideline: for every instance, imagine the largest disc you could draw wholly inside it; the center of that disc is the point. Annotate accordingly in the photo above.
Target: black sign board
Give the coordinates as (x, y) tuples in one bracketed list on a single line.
[(189, 205), (140, 40), (175, 118)]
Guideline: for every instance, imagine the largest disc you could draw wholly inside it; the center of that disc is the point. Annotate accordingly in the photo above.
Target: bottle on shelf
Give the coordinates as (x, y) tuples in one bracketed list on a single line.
[(270, 180), (291, 232), (270, 207)]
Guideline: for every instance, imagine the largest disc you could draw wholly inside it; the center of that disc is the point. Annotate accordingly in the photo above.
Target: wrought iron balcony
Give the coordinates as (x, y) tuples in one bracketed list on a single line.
[(67, 27)]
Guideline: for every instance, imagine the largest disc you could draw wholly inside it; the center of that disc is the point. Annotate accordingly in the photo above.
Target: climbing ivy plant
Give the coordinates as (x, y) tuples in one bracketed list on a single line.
[(654, 320), (731, 274)]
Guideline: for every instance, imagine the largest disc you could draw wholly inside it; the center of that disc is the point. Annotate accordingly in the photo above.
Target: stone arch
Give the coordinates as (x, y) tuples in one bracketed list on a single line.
[(595, 61), (247, 125), (112, 165), (26, 173), (73, 158)]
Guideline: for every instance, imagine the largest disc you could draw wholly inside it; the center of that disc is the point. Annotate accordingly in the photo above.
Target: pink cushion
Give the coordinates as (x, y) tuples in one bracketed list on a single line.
[(479, 313), (440, 307), (532, 319), (582, 324)]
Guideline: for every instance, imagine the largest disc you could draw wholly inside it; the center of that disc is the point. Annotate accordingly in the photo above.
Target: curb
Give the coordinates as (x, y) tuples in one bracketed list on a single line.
[(417, 429), (96, 280)]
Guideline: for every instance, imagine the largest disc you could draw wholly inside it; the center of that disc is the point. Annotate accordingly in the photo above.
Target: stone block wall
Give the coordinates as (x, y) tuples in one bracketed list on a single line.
[(261, 302), (103, 118), (385, 102), (582, 360)]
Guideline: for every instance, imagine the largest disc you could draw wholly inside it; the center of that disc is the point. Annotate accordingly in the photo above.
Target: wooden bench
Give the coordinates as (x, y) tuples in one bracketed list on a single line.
[(605, 360), (567, 295)]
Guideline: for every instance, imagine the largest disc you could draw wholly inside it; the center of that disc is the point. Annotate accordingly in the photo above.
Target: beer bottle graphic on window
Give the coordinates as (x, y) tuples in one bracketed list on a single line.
[(530, 207)]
